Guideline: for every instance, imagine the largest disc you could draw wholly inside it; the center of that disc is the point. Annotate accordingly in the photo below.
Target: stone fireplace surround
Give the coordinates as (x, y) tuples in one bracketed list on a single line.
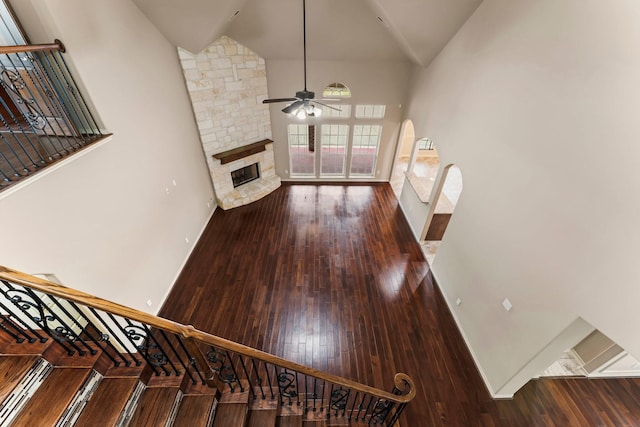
[(224, 163)]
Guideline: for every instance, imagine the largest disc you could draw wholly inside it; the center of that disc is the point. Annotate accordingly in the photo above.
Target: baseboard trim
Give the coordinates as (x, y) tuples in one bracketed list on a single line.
[(185, 260)]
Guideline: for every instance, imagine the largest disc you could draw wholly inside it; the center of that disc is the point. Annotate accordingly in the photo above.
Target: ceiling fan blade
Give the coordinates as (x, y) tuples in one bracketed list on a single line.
[(328, 106), (272, 100), (292, 107)]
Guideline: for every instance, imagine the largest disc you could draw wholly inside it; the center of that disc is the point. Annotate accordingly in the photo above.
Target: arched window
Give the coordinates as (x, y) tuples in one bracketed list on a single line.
[(336, 90)]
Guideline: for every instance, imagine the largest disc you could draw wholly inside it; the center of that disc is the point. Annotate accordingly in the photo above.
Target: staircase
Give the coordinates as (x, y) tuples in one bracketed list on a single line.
[(71, 359)]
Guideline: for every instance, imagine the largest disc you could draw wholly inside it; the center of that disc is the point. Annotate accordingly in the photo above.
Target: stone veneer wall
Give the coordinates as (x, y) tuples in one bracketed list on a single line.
[(227, 83)]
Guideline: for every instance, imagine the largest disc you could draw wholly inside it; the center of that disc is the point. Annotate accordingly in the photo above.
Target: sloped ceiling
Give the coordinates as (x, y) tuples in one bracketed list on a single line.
[(412, 30)]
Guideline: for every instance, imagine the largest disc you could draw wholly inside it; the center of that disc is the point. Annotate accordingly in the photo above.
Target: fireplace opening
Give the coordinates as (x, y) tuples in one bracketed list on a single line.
[(245, 174)]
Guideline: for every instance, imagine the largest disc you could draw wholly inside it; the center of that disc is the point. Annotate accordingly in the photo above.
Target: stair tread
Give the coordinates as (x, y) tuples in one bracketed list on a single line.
[(230, 415), (12, 369), (107, 402), (194, 411), (154, 407), (292, 421), (261, 418), (41, 409)]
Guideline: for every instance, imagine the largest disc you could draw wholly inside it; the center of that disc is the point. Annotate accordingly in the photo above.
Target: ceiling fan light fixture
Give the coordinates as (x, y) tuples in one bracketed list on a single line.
[(301, 114)]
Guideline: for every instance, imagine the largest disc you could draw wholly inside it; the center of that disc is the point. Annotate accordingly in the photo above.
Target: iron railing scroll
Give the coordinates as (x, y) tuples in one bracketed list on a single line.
[(33, 309)]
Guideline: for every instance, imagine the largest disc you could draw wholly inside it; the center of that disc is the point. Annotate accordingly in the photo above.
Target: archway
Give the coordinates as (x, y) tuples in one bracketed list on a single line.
[(404, 152), (446, 194)]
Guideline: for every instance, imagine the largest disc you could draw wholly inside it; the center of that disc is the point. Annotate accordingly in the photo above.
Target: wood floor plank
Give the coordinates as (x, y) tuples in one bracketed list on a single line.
[(52, 397), (107, 402), (332, 277), (154, 407)]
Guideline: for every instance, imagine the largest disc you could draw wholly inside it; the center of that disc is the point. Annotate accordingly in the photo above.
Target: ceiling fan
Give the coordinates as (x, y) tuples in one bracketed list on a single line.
[(303, 104)]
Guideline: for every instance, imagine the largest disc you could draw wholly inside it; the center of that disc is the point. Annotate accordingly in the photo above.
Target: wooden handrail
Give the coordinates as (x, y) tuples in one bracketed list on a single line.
[(401, 380), (56, 45)]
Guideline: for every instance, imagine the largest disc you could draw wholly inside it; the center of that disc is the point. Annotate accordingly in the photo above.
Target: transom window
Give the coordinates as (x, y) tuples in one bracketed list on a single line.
[(344, 113), (370, 111)]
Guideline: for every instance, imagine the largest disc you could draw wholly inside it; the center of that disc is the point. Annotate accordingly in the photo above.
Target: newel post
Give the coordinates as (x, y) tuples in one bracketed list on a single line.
[(200, 359)]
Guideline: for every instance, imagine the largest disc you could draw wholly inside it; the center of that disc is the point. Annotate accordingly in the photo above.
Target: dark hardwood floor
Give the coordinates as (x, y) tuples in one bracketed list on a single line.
[(331, 276)]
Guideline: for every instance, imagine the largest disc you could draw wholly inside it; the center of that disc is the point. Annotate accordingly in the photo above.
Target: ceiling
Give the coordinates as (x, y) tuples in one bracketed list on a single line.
[(387, 30)]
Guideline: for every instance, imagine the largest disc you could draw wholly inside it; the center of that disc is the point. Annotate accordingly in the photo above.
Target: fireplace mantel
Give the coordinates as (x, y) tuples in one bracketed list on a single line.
[(241, 152)]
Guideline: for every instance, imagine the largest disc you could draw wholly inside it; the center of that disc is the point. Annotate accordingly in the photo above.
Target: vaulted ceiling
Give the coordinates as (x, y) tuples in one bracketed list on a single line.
[(397, 30)]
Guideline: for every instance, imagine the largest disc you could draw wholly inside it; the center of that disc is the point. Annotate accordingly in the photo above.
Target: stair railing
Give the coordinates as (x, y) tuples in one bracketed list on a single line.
[(35, 309), (43, 114)]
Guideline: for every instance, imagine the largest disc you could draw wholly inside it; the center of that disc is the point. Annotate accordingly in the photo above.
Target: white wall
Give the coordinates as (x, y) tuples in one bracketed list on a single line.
[(375, 82), (103, 222), (537, 103)]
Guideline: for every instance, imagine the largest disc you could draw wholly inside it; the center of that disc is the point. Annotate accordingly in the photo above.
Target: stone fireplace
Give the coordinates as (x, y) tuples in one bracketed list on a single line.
[(257, 156)]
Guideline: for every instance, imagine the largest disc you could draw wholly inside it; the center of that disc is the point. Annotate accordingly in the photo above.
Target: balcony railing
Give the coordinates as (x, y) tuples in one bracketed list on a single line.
[(43, 115), (34, 309)]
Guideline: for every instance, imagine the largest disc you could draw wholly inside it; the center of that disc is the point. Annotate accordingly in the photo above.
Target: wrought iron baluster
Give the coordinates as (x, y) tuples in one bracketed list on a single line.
[(369, 408), (329, 407), (288, 389), (381, 411), (353, 405), (339, 399), (24, 167), (26, 300), (26, 98), (306, 394), (11, 328), (78, 95), (73, 104), (324, 384), (315, 395), (137, 335), (24, 324), (266, 370), (362, 407), (258, 378), (116, 336), (159, 354), (218, 360), (192, 360), (48, 81), (396, 415), (83, 330), (246, 373), (7, 125), (235, 373), (297, 390), (44, 86), (101, 337), (180, 359)]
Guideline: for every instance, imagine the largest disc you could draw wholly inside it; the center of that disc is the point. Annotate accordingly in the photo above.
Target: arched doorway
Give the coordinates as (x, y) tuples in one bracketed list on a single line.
[(404, 152), (447, 190)]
